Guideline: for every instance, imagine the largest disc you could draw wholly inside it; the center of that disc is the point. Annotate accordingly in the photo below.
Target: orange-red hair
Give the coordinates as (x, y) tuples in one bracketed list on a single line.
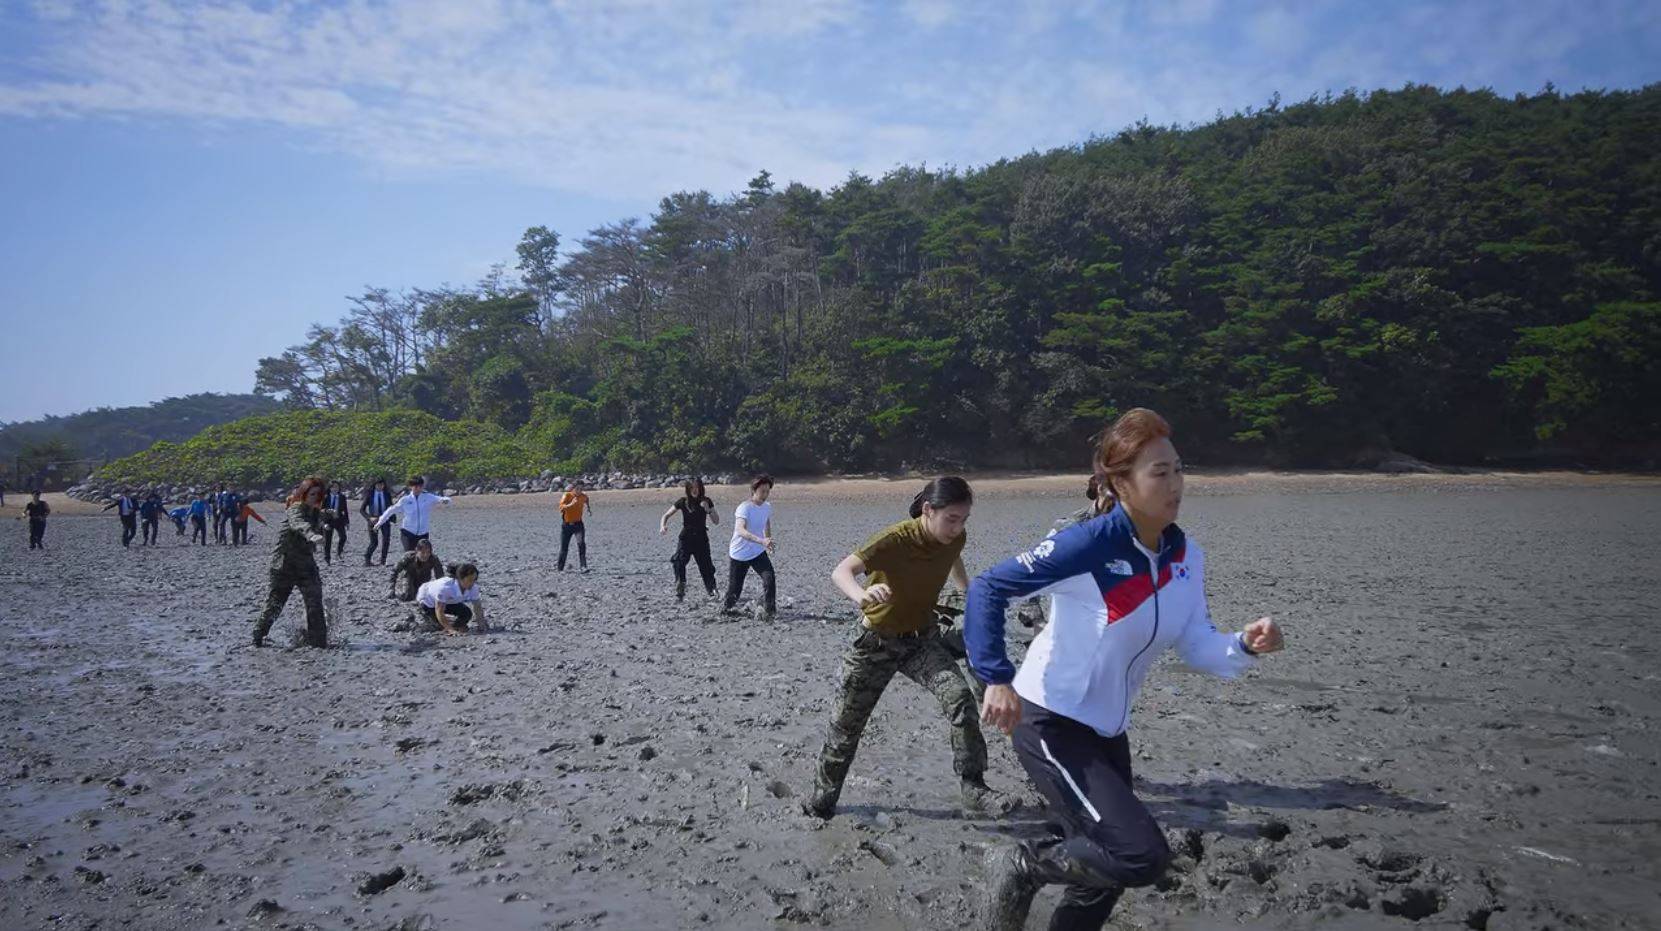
[(304, 488)]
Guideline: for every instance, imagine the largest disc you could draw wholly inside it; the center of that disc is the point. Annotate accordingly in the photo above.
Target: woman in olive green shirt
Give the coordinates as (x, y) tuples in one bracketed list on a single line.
[(905, 567)]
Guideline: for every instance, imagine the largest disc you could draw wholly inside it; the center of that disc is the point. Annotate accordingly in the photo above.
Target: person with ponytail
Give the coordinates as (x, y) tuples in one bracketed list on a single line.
[(1031, 613), (905, 566), (294, 564), (1125, 586), (451, 602), (696, 511)]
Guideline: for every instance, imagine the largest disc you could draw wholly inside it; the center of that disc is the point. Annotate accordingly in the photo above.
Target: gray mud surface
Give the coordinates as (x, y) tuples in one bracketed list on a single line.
[(1462, 733)]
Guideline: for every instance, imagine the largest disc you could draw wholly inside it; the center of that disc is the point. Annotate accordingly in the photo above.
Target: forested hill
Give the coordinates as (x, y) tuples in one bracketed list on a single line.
[(112, 432), (1455, 275)]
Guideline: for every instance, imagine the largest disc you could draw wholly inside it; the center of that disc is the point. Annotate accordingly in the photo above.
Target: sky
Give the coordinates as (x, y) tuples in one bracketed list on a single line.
[(186, 186)]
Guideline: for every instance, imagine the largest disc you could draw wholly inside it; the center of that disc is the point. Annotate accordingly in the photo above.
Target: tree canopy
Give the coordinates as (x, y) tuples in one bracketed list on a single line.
[(1452, 274)]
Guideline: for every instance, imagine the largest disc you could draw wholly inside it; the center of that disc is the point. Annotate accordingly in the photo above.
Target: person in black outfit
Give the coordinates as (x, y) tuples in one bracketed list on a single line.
[(376, 499), (37, 510), (151, 512), (128, 512), (696, 512), (335, 502)]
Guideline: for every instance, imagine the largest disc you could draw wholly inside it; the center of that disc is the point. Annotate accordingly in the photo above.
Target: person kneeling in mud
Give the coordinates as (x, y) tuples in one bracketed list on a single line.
[(450, 604), (905, 567), (418, 567)]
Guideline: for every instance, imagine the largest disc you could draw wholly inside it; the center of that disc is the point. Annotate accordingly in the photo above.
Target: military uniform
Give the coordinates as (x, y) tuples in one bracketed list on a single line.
[(901, 636), (293, 565), (415, 573)]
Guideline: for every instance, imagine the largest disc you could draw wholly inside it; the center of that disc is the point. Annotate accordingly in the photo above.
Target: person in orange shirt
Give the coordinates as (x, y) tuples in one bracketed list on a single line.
[(572, 504), (239, 522)]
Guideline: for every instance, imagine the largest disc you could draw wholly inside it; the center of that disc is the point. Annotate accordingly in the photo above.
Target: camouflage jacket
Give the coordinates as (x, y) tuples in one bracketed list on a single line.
[(301, 531)]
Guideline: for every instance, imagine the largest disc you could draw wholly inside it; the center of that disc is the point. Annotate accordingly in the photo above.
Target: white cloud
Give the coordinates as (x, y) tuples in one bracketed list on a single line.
[(630, 98)]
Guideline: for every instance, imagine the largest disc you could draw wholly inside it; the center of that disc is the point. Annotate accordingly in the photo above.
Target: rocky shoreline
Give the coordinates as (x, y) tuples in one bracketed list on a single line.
[(93, 489)]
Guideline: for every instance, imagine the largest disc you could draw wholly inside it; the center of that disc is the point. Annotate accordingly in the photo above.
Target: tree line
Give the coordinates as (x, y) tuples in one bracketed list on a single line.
[(1453, 274)]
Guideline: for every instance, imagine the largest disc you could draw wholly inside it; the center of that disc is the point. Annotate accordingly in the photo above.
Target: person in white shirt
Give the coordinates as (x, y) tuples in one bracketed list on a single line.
[(414, 511), (1125, 586), (451, 603), (752, 546)]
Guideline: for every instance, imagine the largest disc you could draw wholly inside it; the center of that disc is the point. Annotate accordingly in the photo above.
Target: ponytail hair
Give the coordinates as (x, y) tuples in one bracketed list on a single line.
[(942, 492), (457, 570)]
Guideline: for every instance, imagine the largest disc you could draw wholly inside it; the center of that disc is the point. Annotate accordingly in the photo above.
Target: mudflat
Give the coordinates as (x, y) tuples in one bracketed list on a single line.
[(1464, 731)]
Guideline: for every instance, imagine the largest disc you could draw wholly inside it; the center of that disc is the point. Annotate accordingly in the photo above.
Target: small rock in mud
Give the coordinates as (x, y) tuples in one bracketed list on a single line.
[(264, 908), (377, 883)]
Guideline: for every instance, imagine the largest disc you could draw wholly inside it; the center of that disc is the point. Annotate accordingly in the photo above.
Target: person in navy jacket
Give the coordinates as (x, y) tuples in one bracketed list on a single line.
[(1124, 586)]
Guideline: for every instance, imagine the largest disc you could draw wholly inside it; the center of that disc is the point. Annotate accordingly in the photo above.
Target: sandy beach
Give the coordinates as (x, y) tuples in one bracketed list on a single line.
[(1465, 730)]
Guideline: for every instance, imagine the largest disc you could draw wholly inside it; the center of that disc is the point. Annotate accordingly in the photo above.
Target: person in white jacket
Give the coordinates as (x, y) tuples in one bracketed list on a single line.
[(1124, 587), (414, 513)]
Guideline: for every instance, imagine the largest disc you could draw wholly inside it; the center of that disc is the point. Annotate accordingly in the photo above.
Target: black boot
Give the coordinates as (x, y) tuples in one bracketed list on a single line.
[(1011, 882), (1084, 908)]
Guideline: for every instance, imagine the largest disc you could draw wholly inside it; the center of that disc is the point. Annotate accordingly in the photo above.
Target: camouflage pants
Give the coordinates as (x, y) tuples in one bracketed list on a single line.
[(867, 667), (951, 639), (285, 577)]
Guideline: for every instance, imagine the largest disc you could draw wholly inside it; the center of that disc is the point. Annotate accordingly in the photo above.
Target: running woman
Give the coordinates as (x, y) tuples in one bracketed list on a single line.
[(376, 499), (1124, 586), (337, 505), (413, 512), (449, 604), (127, 510), (696, 510), (294, 565), (572, 504), (37, 511), (905, 567), (752, 546)]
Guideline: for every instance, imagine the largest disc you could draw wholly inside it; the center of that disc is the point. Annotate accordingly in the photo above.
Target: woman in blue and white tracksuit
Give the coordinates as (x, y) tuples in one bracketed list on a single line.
[(1124, 587)]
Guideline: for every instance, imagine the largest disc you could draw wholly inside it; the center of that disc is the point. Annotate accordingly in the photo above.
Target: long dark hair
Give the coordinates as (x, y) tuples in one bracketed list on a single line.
[(690, 483), (942, 492), (369, 490)]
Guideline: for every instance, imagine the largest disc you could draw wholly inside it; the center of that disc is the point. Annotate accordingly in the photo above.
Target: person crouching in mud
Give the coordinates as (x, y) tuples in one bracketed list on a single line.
[(449, 604), (418, 568), (294, 564), (905, 566), (1124, 586)]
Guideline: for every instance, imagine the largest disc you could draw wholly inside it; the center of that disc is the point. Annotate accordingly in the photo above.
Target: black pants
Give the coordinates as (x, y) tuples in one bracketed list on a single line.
[(239, 531), (693, 546), (566, 532), (460, 616), (199, 526), (763, 567), (385, 533), (37, 533), (410, 539), (329, 542), (1106, 837), (151, 530), (219, 522), (129, 529)]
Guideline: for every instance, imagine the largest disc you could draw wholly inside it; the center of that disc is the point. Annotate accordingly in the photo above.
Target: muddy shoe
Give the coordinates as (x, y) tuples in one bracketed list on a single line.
[(259, 639), (819, 808), (1010, 887), (981, 799)]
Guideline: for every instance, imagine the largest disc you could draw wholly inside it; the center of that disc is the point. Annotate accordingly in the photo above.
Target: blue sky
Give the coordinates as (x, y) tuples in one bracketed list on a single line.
[(186, 186)]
